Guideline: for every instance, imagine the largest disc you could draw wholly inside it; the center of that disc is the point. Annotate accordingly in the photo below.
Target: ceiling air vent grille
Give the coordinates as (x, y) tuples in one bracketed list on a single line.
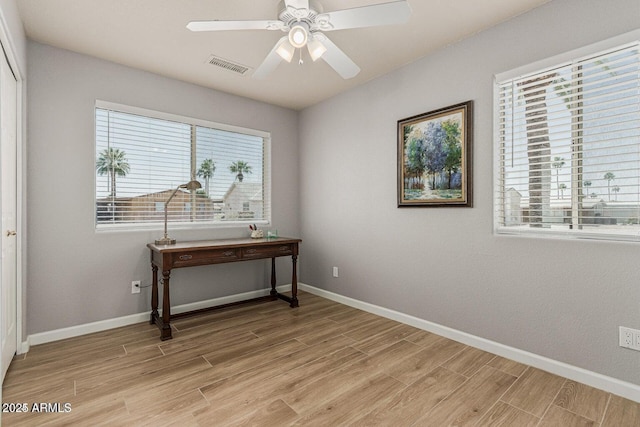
[(228, 65)]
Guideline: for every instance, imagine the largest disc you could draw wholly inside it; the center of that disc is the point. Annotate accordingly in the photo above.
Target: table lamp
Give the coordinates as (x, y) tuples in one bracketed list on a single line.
[(191, 185)]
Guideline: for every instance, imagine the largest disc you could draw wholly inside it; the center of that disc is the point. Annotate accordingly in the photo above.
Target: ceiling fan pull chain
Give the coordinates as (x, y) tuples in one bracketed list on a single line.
[(300, 62)]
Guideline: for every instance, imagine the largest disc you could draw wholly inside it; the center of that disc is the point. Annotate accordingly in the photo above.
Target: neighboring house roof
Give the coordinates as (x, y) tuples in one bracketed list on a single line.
[(587, 203), (157, 195), (148, 195), (254, 189)]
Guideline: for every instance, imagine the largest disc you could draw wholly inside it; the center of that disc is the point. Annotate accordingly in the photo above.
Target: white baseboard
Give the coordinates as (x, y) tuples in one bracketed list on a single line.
[(103, 325), (593, 379)]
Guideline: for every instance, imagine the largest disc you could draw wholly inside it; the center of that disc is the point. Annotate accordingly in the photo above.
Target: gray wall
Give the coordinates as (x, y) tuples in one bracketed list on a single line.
[(76, 275), (557, 298)]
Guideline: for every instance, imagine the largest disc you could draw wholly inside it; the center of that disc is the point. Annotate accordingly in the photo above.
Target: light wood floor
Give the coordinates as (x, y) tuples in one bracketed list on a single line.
[(321, 364)]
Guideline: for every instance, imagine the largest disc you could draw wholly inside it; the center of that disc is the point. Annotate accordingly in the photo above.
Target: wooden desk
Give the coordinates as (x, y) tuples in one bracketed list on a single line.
[(206, 252)]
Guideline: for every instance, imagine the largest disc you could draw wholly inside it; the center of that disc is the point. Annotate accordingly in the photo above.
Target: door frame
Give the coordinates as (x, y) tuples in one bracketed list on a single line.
[(21, 242)]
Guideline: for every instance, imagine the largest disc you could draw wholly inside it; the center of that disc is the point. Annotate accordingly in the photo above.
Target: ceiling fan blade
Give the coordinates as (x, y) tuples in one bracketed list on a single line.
[(234, 25), (297, 4), (396, 12), (270, 63), (337, 59)]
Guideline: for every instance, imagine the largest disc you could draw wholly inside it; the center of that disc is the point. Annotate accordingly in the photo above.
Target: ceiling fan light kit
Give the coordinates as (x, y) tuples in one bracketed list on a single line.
[(299, 34), (304, 22)]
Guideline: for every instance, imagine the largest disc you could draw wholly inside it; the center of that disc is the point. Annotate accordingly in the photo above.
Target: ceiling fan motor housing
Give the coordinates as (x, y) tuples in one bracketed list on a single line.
[(292, 15)]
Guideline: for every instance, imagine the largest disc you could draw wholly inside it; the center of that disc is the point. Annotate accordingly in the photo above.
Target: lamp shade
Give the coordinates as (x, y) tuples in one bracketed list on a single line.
[(286, 50), (316, 48), (192, 185)]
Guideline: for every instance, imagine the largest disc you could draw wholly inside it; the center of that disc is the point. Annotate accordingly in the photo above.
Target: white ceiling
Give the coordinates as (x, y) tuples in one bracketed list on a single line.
[(151, 35)]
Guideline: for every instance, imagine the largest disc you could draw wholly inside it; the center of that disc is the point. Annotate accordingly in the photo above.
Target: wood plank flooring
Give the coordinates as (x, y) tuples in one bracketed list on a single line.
[(264, 364)]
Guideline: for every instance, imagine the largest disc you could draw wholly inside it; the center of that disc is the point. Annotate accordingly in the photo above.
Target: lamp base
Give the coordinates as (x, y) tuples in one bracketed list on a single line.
[(166, 241)]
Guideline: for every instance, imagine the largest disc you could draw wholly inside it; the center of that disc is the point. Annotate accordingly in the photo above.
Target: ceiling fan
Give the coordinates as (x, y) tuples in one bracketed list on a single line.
[(304, 22)]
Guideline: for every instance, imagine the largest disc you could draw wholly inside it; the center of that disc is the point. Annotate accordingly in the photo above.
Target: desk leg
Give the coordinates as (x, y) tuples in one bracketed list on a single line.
[(154, 294), (294, 282), (273, 293), (165, 332)]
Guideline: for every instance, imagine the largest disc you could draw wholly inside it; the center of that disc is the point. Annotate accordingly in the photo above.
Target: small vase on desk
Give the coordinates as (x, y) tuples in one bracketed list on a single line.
[(257, 234)]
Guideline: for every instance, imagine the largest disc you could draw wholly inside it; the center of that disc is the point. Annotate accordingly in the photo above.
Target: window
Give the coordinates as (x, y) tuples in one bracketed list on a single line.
[(143, 156), (568, 148)]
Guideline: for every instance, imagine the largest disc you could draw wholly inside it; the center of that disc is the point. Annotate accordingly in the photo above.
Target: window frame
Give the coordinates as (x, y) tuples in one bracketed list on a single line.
[(185, 225), (538, 67)]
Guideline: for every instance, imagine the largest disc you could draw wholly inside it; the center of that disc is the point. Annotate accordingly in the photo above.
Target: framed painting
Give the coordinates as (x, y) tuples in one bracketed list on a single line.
[(435, 158)]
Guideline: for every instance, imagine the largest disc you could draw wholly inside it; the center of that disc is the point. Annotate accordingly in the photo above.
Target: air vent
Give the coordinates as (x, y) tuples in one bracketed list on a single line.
[(228, 65)]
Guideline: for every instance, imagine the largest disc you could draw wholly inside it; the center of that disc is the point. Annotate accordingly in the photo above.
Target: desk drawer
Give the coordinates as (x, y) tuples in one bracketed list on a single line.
[(267, 252), (212, 256)]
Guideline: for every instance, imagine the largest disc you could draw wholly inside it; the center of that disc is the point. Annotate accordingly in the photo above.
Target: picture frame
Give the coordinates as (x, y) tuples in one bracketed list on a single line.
[(435, 155)]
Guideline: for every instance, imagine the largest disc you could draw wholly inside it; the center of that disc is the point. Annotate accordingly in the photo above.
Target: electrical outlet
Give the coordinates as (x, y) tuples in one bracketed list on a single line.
[(630, 338), (636, 340), (135, 287), (335, 271)]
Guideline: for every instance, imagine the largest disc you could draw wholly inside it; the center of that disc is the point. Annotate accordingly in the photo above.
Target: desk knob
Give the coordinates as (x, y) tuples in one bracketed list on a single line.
[(11, 233)]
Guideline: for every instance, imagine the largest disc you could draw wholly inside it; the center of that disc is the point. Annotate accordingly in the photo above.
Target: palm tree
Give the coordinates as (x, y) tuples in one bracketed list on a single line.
[(538, 147), (615, 189), (207, 168), (558, 162), (112, 161), (240, 168), (609, 176), (562, 187), (586, 185)]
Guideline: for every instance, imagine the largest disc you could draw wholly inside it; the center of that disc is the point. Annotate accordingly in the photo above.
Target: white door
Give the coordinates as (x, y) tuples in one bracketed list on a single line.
[(8, 188)]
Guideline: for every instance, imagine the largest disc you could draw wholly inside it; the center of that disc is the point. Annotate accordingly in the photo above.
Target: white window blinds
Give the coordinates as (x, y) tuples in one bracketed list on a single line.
[(143, 156), (568, 148)]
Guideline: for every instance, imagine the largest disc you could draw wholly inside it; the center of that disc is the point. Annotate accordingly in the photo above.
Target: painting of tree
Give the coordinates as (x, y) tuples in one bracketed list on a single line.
[(434, 158)]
